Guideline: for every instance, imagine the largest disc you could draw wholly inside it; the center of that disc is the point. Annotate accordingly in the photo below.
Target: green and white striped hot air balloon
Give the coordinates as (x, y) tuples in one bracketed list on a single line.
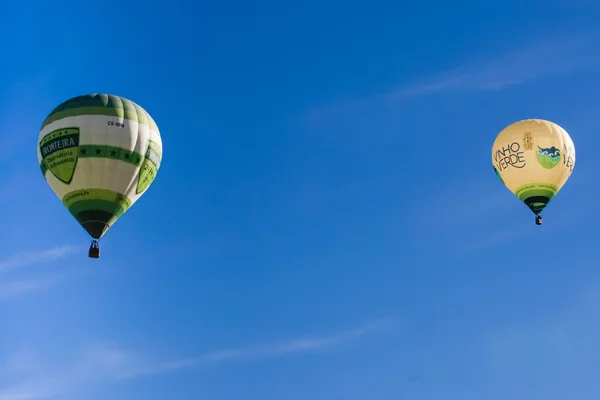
[(99, 153)]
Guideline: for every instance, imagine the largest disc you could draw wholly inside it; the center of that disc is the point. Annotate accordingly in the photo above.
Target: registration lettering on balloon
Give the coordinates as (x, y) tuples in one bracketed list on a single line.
[(510, 155), (116, 123), (59, 150)]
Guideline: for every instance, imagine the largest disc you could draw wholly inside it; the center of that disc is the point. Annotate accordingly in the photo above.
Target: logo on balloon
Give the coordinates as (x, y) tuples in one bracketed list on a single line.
[(549, 157), (59, 151), (509, 156)]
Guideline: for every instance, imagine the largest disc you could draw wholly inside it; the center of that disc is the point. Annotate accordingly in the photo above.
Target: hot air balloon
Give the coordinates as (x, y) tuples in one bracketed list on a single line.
[(534, 158), (99, 153)]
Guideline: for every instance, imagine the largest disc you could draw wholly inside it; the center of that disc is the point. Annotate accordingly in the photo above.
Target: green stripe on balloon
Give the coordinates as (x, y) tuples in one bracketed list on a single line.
[(101, 104), (96, 209), (102, 151), (536, 195)]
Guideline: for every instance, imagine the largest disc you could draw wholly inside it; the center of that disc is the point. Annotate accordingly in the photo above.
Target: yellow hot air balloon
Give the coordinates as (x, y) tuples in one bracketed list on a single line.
[(534, 158), (99, 153)]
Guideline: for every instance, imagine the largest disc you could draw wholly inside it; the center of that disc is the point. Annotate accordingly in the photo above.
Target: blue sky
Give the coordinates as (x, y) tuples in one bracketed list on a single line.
[(325, 224)]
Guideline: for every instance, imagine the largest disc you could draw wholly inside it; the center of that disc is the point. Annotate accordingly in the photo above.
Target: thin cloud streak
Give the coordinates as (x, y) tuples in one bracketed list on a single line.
[(539, 60), (557, 343), (14, 289), (105, 364), (493, 217), (35, 256), (273, 350), (17, 287)]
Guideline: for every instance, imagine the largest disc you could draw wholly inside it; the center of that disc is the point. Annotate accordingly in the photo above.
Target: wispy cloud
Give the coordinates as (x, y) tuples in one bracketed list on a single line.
[(538, 60), (288, 347), (560, 344), (17, 287), (13, 289), (106, 364), (541, 59), (27, 258), (526, 349), (493, 216)]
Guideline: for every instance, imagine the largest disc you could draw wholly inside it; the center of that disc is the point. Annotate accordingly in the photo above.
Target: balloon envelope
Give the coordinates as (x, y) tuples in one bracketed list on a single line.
[(99, 153), (534, 158)]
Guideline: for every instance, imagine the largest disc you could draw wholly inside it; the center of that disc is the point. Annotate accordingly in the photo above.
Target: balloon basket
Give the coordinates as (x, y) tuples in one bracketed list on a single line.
[(94, 250)]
